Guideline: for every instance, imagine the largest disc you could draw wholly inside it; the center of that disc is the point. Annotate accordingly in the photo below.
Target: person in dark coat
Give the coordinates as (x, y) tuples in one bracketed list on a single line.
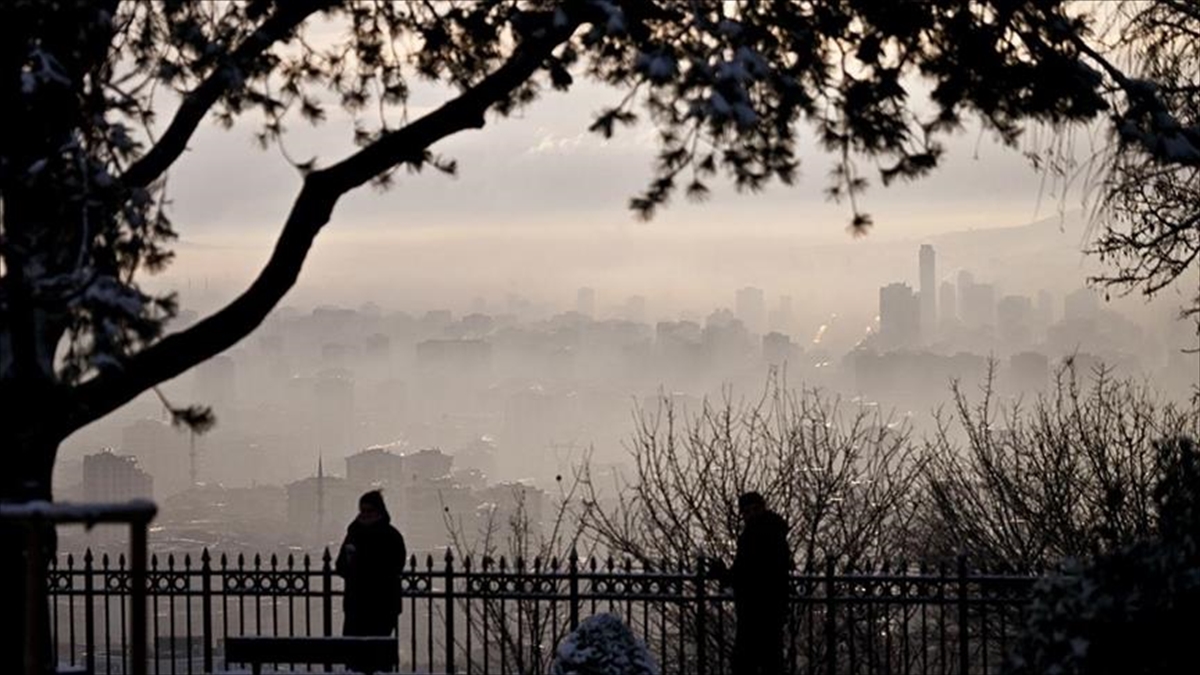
[(759, 579), (370, 560)]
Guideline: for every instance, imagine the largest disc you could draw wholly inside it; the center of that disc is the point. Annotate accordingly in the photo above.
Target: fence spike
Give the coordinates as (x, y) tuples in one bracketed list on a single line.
[(70, 561), (205, 558), (241, 561), (257, 561), (428, 561), (449, 557), (171, 561), (466, 563), (274, 562), (503, 564), (87, 557)]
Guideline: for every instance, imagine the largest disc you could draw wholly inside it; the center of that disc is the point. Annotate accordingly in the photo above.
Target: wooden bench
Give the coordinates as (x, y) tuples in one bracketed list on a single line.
[(374, 654)]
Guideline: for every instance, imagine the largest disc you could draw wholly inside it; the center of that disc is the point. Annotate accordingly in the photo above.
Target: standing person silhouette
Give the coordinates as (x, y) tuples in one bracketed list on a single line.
[(759, 578), (370, 560)]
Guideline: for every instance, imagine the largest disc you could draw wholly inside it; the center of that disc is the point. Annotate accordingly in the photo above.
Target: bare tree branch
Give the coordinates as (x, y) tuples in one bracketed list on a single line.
[(310, 212), (200, 100)]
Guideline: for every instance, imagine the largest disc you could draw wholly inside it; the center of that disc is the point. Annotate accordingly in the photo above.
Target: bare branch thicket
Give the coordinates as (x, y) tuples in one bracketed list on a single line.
[(1068, 476), (511, 538), (843, 475)]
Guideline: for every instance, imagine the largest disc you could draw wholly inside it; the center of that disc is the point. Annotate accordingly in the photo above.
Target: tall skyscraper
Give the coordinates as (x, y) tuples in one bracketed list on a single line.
[(928, 292), (751, 309), (782, 319), (899, 317)]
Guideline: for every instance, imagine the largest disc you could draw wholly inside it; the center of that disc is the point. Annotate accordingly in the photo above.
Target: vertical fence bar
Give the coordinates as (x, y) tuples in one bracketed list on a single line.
[(830, 621), (450, 611), (964, 648), (573, 587), (138, 611), (89, 612), (327, 594), (701, 619), (206, 619)]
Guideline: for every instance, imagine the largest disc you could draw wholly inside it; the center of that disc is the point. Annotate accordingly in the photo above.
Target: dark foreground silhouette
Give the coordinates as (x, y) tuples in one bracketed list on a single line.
[(759, 578), (370, 560)]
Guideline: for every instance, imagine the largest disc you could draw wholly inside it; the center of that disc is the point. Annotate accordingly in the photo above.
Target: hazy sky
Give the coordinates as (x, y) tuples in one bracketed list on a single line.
[(536, 193)]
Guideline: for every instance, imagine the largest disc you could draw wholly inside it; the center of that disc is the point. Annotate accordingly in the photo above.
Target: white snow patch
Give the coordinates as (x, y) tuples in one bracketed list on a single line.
[(603, 645)]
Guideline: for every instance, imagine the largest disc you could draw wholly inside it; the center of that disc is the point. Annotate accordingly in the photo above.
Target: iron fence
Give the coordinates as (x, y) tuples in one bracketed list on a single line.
[(502, 617)]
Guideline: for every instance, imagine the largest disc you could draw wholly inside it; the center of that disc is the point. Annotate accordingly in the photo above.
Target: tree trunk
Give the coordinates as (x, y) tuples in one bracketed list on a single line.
[(26, 476)]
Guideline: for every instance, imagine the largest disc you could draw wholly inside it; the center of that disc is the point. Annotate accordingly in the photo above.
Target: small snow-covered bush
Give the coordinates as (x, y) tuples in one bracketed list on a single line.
[(603, 645)]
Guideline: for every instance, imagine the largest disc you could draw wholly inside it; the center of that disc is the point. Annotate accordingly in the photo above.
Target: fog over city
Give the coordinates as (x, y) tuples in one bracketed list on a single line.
[(517, 317), (518, 353)]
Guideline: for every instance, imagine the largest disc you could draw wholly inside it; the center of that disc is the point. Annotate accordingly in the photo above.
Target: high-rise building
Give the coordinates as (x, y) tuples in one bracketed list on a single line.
[(783, 318), (947, 304), (1014, 319), (751, 309), (928, 292), (965, 281), (585, 302), (899, 317), (635, 308), (778, 349), (109, 477), (976, 302), (1044, 312)]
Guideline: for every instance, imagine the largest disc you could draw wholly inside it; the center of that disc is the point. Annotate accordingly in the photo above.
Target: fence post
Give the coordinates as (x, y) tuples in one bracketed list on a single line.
[(830, 621), (450, 611), (206, 637), (701, 618), (964, 653), (327, 592), (573, 588), (89, 612)]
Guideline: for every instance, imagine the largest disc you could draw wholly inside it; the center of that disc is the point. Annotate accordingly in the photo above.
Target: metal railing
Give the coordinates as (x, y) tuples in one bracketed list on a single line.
[(499, 617)]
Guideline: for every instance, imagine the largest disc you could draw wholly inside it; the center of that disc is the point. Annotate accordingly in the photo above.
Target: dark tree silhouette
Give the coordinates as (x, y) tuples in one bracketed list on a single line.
[(1145, 179), (84, 157)]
